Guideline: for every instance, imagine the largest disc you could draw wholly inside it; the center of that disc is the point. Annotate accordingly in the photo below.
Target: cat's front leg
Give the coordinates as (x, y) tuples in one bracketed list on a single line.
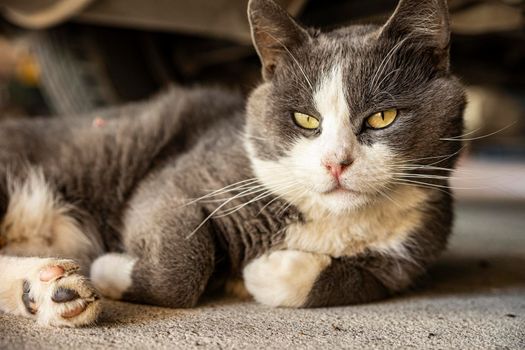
[(284, 277), (290, 278)]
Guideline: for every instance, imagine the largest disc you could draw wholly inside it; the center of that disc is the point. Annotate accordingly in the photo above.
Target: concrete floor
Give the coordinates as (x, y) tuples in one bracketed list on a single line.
[(473, 299)]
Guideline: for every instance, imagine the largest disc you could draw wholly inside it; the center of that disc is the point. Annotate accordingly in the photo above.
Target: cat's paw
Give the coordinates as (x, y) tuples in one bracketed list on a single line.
[(284, 277), (57, 295)]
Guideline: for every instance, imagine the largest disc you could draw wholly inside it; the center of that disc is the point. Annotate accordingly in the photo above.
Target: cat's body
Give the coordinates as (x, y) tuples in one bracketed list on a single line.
[(191, 189)]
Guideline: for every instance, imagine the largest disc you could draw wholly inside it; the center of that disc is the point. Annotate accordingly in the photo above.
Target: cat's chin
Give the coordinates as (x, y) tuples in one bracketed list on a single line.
[(340, 200)]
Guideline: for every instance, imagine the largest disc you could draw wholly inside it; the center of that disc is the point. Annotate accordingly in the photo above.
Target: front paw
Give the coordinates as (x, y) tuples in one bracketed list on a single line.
[(284, 277)]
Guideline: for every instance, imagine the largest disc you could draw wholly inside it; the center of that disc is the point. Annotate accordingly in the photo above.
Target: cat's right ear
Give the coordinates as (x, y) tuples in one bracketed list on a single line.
[(274, 33)]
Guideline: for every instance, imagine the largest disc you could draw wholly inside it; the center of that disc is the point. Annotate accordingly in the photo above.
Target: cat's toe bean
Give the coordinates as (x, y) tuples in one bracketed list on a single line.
[(63, 295), (28, 301), (74, 312), (51, 273)]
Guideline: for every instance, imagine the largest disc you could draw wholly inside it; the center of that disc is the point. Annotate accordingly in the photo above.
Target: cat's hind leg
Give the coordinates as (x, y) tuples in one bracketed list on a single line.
[(47, 289), (35, 227)]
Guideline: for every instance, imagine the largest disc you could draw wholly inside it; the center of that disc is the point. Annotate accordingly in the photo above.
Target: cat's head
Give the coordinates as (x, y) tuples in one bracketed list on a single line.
[(345, 116)]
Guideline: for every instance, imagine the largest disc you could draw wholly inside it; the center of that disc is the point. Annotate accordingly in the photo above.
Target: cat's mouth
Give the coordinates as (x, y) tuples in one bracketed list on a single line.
[(339, 189)]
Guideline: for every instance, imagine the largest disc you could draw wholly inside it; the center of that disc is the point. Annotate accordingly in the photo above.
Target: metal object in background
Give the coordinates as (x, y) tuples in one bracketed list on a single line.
[(41, 14), (225, 19)]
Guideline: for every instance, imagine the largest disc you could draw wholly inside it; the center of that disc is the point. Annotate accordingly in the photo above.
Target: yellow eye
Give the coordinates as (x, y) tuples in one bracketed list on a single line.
[(306, 121), (382, 119)]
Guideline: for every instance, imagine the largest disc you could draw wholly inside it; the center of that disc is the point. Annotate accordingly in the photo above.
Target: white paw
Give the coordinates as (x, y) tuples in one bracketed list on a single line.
[(111, 274), (284, 277), (57, 295)]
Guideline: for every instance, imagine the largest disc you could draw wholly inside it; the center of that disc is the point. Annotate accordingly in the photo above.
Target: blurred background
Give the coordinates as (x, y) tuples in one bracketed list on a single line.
[(70, 56)]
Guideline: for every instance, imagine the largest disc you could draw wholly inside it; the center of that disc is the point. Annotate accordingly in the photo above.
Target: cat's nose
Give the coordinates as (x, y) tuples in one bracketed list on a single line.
[(337, 168)]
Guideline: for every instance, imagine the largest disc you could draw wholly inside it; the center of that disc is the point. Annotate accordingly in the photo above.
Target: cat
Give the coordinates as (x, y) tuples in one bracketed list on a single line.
[(327, 186)]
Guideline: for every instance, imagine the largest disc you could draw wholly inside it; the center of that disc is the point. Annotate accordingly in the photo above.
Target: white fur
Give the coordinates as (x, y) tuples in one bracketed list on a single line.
[(330, 102), (284, 277), (37, 222), (382, 227), (111, 274)]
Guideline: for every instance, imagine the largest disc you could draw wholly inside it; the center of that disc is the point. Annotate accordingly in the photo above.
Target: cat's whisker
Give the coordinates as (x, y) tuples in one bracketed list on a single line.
[(240, 206), (259, 188), (478, 137), (213, 213), (411, 167), (384, 194), (437, 177), (229, 188), (266, 193), (439, 186), (285, 206), (466, 134), (441, 158), (422, 176), (220, 200), (378, 190), (400, 182), (229, 211), (423, 167), (270, 202)]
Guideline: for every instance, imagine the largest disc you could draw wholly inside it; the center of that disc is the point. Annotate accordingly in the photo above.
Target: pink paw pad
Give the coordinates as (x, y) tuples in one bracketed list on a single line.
[(75, 312), (51, 273)]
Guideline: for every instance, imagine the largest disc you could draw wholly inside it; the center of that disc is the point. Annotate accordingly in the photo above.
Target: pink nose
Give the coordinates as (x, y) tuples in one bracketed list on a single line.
[(336, 169)]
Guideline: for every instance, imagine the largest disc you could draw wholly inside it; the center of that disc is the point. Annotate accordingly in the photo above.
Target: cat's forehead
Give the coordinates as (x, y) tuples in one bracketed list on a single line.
[(344, 47), (350, 50)]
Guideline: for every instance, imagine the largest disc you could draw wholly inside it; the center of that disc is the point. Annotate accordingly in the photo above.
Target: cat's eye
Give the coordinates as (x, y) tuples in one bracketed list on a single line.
[(306, 121), (382, 119)]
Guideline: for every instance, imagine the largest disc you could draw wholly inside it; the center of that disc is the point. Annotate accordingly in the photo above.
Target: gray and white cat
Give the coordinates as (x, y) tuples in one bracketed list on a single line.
[(328, 186)]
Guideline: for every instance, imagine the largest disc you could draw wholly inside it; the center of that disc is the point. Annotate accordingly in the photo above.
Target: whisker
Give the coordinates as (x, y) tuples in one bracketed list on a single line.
[(285, 206), (276, 198), (439, 186), (400, 182), (263, 195), (213, 213), (479, 137), (229, 188), (466, 134), (441, 158)]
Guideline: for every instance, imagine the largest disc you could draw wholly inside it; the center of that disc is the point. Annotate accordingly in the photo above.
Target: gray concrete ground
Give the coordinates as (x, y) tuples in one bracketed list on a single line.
[(473, 299)]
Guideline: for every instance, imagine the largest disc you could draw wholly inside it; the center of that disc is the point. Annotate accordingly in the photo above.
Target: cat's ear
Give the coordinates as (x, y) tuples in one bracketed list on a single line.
[(274, 33), (426, 21)]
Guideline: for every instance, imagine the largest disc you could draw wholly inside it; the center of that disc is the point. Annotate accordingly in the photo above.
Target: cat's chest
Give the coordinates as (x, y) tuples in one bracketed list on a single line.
[(383, 228)]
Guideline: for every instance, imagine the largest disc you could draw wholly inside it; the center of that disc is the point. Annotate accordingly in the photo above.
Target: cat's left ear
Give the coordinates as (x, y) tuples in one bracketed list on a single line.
[(274, 32), (424, 21)]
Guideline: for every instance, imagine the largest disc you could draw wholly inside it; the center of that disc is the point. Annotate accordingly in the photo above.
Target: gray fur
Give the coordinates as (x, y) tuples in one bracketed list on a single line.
[(132, 178)]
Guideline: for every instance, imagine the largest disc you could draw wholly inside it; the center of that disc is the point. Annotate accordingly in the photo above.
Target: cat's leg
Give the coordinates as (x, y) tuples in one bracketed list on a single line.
[(163, 263), (35, 222), (295, 278), (292, 278)]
